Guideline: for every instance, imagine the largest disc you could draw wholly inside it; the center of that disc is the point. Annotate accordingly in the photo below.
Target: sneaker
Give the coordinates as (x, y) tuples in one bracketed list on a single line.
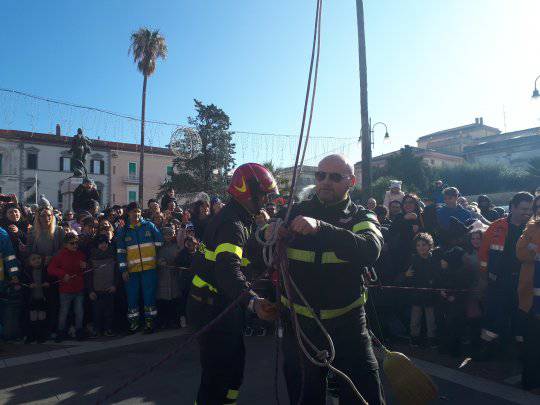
[(29, 339), (148, 326), (133, 326), (183, 322), (109, 333)]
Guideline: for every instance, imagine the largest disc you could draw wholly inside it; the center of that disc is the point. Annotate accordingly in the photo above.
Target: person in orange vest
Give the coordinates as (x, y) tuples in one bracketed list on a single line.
[(498, 259)]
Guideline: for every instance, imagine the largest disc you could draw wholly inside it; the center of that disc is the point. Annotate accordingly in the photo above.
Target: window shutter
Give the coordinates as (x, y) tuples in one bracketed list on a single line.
[(101, 167)]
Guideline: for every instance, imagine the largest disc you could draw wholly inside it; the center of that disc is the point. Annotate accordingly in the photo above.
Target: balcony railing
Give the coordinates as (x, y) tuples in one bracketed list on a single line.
[(131, 179)]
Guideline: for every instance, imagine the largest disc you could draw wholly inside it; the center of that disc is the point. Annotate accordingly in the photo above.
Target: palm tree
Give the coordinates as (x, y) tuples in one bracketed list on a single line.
[(146, 47)]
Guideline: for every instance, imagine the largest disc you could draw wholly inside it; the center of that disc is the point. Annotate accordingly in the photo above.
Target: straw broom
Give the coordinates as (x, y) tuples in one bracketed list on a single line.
[(410, 385)]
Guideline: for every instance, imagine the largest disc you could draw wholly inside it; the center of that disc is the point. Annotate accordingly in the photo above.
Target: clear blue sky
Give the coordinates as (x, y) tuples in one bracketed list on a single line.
[(431, 65)]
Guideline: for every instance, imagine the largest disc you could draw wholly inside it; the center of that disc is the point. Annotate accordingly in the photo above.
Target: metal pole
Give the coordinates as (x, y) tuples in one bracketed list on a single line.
[(365, 136)]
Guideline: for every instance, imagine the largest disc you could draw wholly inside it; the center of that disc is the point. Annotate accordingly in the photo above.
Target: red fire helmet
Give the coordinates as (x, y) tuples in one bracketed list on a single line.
[(251, 179)]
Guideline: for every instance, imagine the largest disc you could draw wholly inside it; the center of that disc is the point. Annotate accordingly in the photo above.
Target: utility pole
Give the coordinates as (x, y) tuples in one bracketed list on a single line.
[(365, 135)]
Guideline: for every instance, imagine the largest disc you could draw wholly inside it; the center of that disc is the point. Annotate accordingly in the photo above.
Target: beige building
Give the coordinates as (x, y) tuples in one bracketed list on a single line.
[(454, 140), (307, 178), (430, 157), (158, 166), (114, 166)]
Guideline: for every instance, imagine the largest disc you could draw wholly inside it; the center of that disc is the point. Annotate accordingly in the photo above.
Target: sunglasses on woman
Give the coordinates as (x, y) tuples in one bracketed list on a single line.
[(335, 177)]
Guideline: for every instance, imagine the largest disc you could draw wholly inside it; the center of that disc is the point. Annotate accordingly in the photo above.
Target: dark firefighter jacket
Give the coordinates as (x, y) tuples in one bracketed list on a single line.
[(328, 266), (219, 267)]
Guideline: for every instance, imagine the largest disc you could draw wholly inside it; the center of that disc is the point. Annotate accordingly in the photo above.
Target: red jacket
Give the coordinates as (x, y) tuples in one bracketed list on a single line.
[(68, 262)]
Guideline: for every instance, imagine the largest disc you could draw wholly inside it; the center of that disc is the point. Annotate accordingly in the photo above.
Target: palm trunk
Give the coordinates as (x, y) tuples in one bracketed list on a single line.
[(141, 170)]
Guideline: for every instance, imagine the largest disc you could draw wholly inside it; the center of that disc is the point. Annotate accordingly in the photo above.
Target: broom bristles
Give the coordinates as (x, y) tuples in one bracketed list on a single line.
[(409, 384)]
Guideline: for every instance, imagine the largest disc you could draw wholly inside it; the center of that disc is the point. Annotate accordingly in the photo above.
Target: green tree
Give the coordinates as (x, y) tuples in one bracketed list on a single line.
[(146, 47), (486, 178), (280, 180), (205, 152), (410, 168)]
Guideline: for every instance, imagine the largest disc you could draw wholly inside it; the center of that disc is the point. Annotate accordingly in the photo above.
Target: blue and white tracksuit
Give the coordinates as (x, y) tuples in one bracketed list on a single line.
[(136, 251)]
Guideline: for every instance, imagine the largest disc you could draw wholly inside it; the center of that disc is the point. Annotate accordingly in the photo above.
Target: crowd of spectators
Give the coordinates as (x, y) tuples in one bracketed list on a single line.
[(454, 275)]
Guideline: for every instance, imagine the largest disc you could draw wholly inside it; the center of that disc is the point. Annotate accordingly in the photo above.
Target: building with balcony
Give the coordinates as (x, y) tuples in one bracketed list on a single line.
[(158, 166), (112, 165)]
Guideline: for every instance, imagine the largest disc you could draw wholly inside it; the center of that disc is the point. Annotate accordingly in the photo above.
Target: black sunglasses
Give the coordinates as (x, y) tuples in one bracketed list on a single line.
[(335, 177)]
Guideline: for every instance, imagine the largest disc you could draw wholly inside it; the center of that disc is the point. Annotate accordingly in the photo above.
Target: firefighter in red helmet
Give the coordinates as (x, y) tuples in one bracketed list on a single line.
[(219, 280)]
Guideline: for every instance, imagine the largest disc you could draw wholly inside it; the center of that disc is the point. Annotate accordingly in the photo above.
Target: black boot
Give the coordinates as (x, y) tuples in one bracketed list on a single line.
[(42, 331), (31, 335)]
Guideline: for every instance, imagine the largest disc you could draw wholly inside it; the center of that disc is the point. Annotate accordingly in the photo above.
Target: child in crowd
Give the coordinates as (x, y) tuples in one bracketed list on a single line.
[(38, 281), (68, 266), (422, 274), (454, 277), (101, 285), (168, 291), (184, 260)]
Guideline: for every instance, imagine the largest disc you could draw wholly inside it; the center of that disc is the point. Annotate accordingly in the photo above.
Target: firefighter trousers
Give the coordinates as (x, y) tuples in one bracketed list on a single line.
[(354, 356), (222, 356)]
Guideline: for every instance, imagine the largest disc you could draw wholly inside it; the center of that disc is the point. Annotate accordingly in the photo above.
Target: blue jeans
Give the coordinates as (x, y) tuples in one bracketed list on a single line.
[(66, 299)]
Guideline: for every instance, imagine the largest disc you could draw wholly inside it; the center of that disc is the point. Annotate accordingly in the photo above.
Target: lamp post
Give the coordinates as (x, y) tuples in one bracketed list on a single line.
[(536, 93), (372, 130), (365, 134)]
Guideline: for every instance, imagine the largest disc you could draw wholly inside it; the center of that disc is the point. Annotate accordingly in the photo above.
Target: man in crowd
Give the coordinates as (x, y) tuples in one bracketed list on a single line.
[(83, 194), (498, 258), (334, 240), (486, 208), (137, 242), (452, 209), (219, 280)]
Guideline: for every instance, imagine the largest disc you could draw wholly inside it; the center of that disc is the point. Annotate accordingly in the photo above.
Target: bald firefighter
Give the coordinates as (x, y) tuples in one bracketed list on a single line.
[(219, 280), (333, 241)]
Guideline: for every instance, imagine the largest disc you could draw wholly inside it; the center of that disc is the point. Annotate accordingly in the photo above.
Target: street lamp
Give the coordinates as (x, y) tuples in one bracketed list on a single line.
[(372, 130), (536, 93)]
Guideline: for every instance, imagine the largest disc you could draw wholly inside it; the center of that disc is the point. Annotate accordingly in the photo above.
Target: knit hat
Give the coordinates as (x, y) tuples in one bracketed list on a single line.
[(43, 202), (454, 257), (214, 200), (395, 183)]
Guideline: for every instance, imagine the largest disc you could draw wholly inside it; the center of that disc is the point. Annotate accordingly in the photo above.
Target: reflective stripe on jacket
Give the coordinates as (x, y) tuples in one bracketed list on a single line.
[(136, 246), (328, 265), (218, 267)]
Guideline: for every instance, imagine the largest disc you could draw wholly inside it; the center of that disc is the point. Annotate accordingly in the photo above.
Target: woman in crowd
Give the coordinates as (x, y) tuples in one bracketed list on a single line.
[(403, 230), (46, 239)]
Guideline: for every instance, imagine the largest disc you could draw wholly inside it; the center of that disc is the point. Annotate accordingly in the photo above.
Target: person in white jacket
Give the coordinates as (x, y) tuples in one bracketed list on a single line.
[(394, 194)]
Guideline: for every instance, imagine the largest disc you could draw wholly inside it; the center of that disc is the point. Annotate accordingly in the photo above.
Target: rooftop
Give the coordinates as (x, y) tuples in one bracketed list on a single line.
[(61, 140), (478, 124)]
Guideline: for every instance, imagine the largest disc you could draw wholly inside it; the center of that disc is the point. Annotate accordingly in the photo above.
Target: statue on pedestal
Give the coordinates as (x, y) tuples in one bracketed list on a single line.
[(80, 147)]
